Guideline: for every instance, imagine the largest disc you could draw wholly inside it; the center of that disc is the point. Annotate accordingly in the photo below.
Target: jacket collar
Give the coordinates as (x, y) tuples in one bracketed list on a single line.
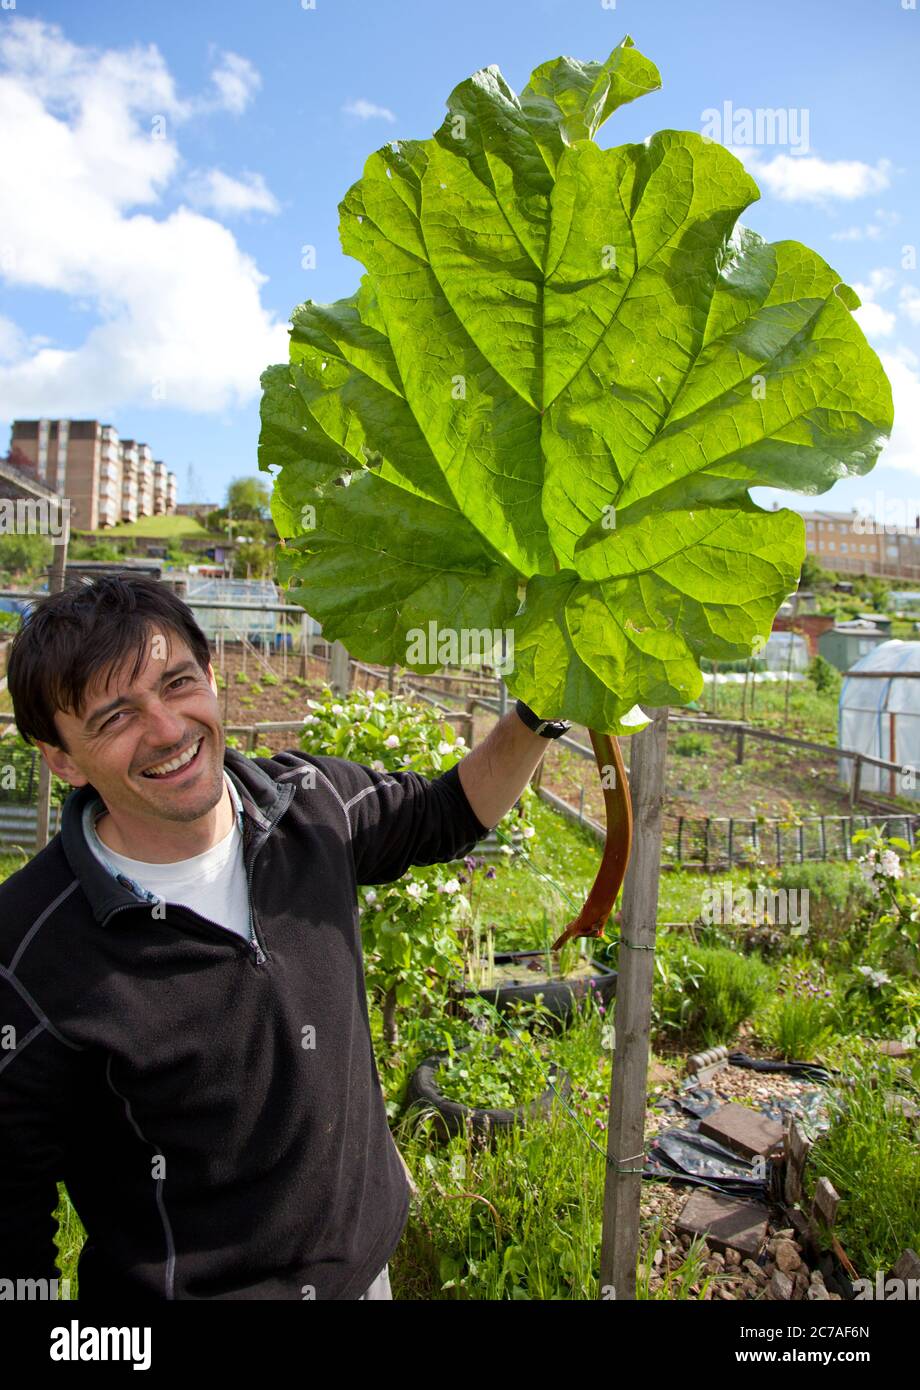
[(264, 800)]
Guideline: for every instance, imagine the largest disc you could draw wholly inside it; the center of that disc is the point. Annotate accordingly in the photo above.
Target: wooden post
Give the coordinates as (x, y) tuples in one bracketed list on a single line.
[(739, 750), (56, 575), (788, 676), (339, 669), (628, 1081), (856, 779)]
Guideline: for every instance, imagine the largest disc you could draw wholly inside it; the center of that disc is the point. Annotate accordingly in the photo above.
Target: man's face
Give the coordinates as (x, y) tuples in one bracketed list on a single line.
[(126, 731)]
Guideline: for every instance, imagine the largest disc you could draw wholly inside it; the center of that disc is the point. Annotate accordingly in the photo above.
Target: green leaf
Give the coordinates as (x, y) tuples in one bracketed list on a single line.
[(543, 409)]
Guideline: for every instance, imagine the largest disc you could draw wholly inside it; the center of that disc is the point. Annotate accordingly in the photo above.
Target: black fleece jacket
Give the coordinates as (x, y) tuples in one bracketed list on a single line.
[(213, 1106)]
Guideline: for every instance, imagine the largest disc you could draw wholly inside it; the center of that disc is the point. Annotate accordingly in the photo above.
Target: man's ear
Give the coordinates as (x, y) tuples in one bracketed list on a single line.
[(212, 678), (62, 764)]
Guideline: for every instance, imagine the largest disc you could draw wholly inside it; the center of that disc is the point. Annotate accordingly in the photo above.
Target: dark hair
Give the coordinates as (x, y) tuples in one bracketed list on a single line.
[(66, 639)]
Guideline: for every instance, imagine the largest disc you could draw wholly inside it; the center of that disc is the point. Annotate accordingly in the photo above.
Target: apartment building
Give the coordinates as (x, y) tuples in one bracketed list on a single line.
[(106, 478), (855, 543)]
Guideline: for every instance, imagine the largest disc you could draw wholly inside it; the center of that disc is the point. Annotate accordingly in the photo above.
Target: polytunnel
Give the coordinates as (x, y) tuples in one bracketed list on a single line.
[(879, 715)]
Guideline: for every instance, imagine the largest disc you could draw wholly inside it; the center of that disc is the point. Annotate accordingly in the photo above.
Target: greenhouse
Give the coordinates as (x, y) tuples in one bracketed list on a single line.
[(879, 715), (247, 620)]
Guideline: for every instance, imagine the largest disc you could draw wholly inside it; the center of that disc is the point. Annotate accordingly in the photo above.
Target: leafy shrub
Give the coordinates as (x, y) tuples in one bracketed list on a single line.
[(702, 993), (502, 1072), (690, 746), (834, 910), (824, 676), (20, 763)]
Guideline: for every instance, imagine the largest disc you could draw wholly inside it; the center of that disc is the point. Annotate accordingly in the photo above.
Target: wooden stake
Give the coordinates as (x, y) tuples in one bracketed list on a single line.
[(632, 1023)]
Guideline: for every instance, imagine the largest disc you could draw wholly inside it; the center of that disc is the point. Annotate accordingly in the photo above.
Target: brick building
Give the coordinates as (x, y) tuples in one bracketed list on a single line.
[(107, 479)]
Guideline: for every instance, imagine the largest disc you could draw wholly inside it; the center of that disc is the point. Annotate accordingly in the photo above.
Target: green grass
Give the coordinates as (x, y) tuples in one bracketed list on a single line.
[(153, 526), (812, 713), (871, 1155)]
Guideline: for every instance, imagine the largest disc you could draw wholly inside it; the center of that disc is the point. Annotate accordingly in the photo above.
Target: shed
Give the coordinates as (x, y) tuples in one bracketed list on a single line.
[(846, 643), (879, 715)]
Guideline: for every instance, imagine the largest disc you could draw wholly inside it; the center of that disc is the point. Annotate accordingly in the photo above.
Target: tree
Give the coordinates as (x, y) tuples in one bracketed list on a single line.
[(247, 498), (252, 561), (24, 552), (814, 575)]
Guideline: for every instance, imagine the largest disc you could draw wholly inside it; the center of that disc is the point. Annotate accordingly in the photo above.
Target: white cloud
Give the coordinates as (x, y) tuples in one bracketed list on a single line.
[(874, 320), (12, 340), (367, 111), (910, 303), (807, 178), (904, 449), (870, 231), (236, 80), (180, 319), (218, 192)]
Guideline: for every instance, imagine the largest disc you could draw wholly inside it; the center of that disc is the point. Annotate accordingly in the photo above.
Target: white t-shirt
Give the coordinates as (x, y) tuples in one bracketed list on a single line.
[(212, 883)]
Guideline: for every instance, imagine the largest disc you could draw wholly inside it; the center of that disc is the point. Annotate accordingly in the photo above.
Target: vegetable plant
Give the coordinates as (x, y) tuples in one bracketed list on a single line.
[(541, 411), (536, 422)]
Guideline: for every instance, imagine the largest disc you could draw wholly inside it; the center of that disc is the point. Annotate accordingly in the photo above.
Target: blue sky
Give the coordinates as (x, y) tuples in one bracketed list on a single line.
[(165, 165)]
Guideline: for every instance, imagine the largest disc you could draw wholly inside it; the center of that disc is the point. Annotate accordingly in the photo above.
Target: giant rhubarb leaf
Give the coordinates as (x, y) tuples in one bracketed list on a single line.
[(542, 410)]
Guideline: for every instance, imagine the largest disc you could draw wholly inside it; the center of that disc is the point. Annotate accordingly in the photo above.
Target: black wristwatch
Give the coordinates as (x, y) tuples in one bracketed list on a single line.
[(546, 728)]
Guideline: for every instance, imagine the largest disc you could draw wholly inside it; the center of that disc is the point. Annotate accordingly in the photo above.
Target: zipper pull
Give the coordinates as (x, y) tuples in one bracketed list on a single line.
[(258, 952)]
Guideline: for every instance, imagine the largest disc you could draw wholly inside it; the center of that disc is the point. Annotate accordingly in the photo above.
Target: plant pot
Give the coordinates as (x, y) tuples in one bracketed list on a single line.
[(450, 1115), (557, 994)]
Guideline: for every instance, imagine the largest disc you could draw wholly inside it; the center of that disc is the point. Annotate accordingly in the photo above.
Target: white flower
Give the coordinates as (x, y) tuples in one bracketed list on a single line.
[(451, 886), (875, 977), (506, 849), (378, 766), (371, 895), (527, 831), (462, 742), (891, 864), (444, 747), (406, 758), (338, 709), (414, 890), (309, 719), (391, 741)]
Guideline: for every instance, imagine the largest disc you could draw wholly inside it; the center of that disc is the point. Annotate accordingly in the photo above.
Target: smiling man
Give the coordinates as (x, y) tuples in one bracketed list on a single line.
[(187, 1044)]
